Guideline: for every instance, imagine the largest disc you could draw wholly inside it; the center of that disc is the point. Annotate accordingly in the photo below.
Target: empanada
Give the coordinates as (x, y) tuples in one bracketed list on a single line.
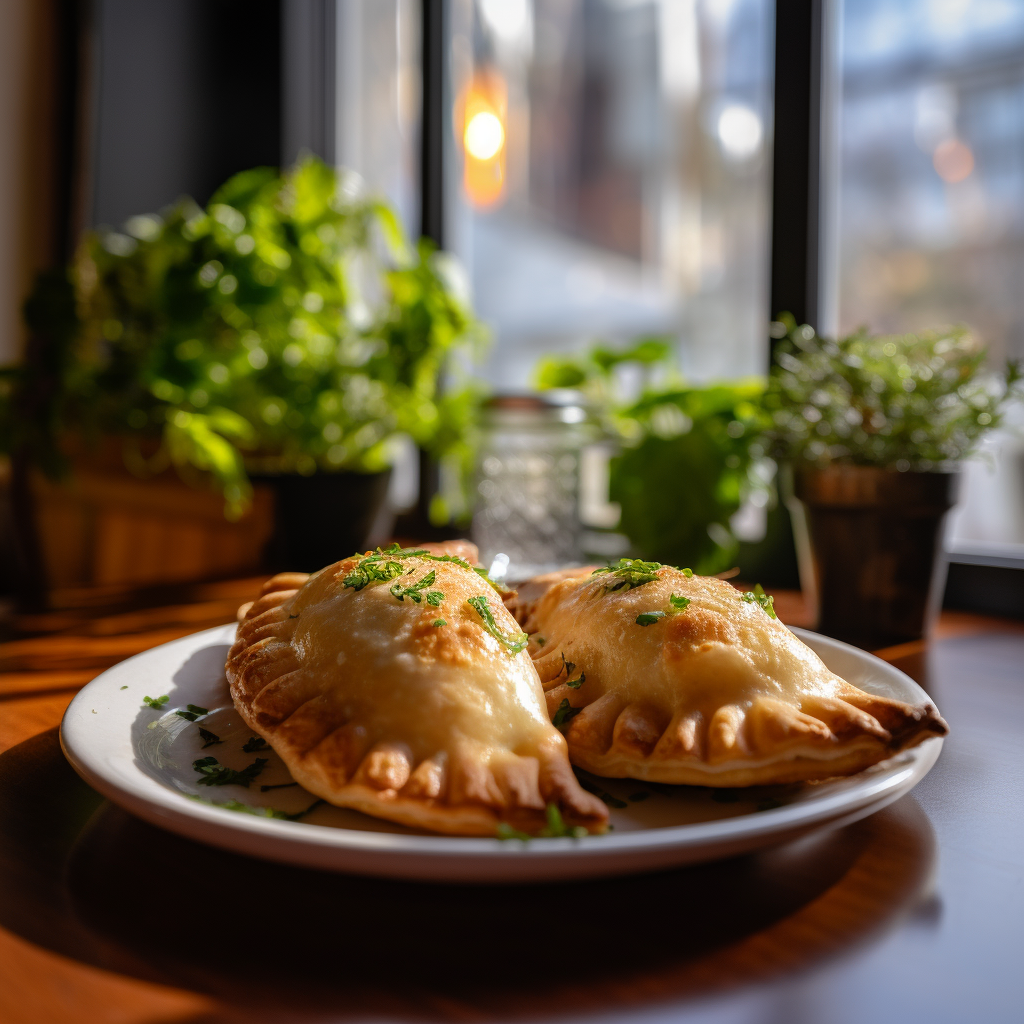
[(654, 673), (399, 685)]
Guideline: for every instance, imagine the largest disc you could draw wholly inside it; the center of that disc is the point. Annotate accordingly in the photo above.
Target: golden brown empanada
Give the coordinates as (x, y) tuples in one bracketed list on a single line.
[(654, 673), (398, 684)]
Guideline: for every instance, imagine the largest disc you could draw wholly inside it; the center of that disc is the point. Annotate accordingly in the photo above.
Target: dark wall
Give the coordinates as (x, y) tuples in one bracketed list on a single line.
[(187, 92)]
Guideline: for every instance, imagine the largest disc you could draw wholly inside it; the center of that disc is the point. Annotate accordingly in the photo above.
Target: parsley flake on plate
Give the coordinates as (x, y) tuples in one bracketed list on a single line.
[(506, 831), (254, 743), (211, 738), (156, 702), (556, 826), (216, 774), (258, 812), (194, 711)]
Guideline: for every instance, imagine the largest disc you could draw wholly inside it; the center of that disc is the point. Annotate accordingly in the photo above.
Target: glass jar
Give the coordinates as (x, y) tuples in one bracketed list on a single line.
[(528, 482)]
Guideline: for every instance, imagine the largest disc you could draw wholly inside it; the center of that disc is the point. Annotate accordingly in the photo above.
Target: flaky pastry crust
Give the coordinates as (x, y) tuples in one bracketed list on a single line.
[(718, 693), (373, 705)]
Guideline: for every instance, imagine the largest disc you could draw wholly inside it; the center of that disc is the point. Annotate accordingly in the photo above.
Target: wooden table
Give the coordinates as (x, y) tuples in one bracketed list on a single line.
[(914, 914)]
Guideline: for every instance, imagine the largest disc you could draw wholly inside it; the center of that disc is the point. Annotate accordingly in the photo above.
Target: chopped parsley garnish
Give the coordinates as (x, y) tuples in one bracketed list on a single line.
[(259, 812), (514, 643), (194, 712), (758, 596), (156, 702), (439, 622), (125, 687), (564, 713), (211, 738), (570, 667), (676, 604), (688, 573), (556, 826), (414, 591), (386, 564), (540, 641), (628, 573), (278, 785), (506, 831), (216, 774), (253, 744), (649, 618), (373, 568)]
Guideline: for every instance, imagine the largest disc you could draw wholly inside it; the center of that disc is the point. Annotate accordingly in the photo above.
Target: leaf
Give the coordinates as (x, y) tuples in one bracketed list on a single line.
[(512, 643), (564, 713), (216, 774), (649, 618), (193, 712), (211, 738)]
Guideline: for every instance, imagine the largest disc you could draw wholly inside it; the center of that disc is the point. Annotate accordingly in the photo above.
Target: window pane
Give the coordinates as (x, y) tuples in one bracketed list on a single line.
[(378, 99), (931, 199), (610, 164)]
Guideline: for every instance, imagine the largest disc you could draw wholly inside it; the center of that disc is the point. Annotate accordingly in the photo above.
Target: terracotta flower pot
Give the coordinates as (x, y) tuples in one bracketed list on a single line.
[(869, 544)]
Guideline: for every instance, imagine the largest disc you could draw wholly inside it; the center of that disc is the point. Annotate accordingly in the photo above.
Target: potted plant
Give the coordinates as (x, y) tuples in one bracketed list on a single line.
[(874, 428), (687, 458), (287, 332)]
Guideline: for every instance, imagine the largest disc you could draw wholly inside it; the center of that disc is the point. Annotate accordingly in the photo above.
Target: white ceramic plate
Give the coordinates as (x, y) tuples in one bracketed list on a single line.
[(142, 759)]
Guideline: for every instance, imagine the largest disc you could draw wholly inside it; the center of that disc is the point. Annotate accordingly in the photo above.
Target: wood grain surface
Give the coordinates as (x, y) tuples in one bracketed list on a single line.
[(914, 914)]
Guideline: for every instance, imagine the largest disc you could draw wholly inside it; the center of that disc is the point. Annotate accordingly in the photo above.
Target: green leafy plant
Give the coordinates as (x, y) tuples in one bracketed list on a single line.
[(688, 454), (902, 401), (287, 328)]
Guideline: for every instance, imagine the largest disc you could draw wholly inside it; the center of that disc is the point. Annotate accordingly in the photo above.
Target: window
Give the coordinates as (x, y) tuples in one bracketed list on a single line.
[(609, 175), (931, 201)]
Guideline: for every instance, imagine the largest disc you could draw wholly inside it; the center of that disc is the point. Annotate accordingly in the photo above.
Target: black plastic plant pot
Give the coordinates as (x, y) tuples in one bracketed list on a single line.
[(321, 518), (869, 544)]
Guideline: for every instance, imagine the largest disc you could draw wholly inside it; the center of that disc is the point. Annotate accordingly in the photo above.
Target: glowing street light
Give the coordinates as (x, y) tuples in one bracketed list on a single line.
[(482, 111), (484, 136)]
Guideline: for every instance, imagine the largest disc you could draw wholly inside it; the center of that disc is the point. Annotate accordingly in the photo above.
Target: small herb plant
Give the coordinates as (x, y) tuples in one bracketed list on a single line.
[(899, 401), (286, 328), (689, 455)]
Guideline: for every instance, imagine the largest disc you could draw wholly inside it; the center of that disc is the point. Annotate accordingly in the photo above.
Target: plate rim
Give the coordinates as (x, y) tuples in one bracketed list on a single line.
[(159, 804)]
